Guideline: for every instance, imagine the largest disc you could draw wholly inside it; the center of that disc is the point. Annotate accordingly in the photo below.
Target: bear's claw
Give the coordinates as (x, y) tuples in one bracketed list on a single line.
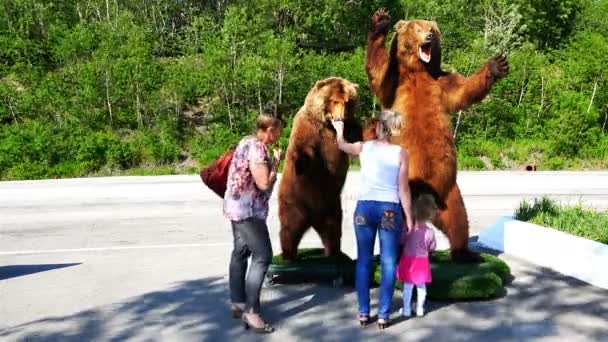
[(380, 21), (499, 66)]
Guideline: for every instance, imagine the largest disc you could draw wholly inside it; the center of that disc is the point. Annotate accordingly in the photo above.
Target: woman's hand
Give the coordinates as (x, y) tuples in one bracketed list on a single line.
[(276, 153), (354, 148), (410, 223), (339, 127)]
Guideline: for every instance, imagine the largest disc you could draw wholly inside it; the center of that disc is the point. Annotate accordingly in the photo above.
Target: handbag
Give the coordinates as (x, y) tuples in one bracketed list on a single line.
[(215, 175)]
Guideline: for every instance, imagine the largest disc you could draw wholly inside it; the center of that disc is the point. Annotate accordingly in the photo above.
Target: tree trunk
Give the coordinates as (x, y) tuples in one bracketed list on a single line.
[(457, 124), (524, 84), (154, 19), (108, 10), (108, 98), (592, 96), (12, 109), (227, 104), (259, 97), (177, 111), (77, 11), (140, 120), (281, 76), (605, 119), (542, 95), (373, 104)]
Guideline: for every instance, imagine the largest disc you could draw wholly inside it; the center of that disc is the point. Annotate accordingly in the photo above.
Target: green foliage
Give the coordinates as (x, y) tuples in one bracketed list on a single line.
[(210, 146), (87, 90), (549, 23), (577, 220), (527, 210), (573, 126)]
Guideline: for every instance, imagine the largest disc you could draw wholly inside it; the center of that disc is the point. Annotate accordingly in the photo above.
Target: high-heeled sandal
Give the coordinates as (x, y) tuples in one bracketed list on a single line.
[(383, 324), (236, 312), (364, 320), (266, 329)]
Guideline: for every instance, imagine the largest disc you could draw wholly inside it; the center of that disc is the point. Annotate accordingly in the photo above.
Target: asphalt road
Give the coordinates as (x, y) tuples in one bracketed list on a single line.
[(145, 258)]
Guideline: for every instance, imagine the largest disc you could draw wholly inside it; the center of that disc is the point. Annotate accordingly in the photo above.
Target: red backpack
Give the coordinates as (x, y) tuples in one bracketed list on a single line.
[(215, 175)]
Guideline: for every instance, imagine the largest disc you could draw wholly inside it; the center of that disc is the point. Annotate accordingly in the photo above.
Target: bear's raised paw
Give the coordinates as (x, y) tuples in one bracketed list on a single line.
[(381, 21), (499, 66)]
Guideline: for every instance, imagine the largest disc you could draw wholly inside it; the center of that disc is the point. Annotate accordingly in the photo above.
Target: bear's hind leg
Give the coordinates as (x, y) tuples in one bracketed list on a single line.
[(329, 229), (293, 226), (454, 223)]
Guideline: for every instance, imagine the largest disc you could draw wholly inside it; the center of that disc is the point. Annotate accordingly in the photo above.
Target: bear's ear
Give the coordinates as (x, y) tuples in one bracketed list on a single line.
[(400, 24), (435, 27), (320, 84)]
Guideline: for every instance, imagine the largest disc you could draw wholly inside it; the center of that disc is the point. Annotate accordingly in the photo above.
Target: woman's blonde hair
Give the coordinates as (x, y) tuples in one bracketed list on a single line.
[(424, 207), (389, 124)]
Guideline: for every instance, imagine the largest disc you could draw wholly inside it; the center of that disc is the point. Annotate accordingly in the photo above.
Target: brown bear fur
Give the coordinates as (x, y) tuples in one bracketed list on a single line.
[(315, 169), (426, 96)]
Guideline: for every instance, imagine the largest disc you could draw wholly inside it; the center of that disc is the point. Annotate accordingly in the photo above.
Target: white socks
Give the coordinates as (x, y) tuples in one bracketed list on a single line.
[(407, 299), (421, 292)]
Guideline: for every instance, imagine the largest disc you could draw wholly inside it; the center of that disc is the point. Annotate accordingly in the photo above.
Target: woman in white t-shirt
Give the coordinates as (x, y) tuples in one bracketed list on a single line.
[(384, 196)]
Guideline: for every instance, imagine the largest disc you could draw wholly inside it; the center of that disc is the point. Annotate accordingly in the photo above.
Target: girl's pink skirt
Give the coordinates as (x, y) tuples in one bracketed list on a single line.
[(414, 270)]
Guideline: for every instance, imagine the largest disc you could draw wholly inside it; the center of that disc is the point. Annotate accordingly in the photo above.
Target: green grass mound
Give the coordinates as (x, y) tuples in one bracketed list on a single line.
[(454, 281), (312, 265)]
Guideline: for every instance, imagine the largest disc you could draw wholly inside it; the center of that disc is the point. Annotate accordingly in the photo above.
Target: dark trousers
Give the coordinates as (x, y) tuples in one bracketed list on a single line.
[(250, 239)]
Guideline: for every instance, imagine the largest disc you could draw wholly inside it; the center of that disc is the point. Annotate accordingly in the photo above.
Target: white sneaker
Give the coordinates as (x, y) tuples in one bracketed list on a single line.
[(420, 311), (405, 313)]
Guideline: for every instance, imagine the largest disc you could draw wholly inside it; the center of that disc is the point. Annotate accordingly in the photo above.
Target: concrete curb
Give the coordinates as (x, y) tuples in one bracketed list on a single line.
[(568, 254)]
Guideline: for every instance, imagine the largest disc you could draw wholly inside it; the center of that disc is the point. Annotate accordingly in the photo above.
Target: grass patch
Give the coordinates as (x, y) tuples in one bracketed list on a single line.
[(587, 223), (312, 265), (309, 257), (451, 280)]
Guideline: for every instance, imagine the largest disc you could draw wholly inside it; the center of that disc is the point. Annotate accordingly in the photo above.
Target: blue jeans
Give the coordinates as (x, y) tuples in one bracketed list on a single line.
[(386, 218)]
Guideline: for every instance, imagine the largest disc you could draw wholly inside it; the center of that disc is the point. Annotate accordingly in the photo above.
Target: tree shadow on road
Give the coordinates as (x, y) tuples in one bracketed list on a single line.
[(538, 303)]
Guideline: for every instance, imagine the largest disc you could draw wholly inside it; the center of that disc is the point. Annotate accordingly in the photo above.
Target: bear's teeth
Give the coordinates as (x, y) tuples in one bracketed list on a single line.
[(426, 57)]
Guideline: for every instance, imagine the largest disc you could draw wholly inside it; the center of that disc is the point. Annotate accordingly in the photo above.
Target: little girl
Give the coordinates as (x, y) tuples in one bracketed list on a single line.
[(414, 267)]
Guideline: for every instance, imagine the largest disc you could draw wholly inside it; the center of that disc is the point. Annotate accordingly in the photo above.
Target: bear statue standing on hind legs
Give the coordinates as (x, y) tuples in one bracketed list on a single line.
[(408, 79), (315, 169)]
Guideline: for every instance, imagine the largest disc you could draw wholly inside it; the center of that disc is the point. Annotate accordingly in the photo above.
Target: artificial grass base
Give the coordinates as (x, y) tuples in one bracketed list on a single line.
[(310, 265), (452, 281)]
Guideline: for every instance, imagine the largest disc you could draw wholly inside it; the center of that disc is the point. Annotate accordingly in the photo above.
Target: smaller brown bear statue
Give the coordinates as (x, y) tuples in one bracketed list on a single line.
[(315, 169)]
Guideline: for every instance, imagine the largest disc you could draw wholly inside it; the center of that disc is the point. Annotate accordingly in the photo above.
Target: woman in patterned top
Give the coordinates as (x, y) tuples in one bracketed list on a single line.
[(251, 178)]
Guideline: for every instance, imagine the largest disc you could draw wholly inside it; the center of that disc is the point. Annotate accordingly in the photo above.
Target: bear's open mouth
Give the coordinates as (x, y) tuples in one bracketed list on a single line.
[(424, 51)]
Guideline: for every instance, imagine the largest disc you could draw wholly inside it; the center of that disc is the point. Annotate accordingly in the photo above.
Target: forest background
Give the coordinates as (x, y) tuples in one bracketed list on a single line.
[(109, 87)]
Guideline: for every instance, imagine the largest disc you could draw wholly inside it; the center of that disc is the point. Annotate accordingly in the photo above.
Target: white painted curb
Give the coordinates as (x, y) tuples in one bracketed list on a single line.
[(571, 255)]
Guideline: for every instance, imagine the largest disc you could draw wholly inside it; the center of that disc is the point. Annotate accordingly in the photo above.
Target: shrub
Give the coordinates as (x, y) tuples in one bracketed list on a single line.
[(588, 223)]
